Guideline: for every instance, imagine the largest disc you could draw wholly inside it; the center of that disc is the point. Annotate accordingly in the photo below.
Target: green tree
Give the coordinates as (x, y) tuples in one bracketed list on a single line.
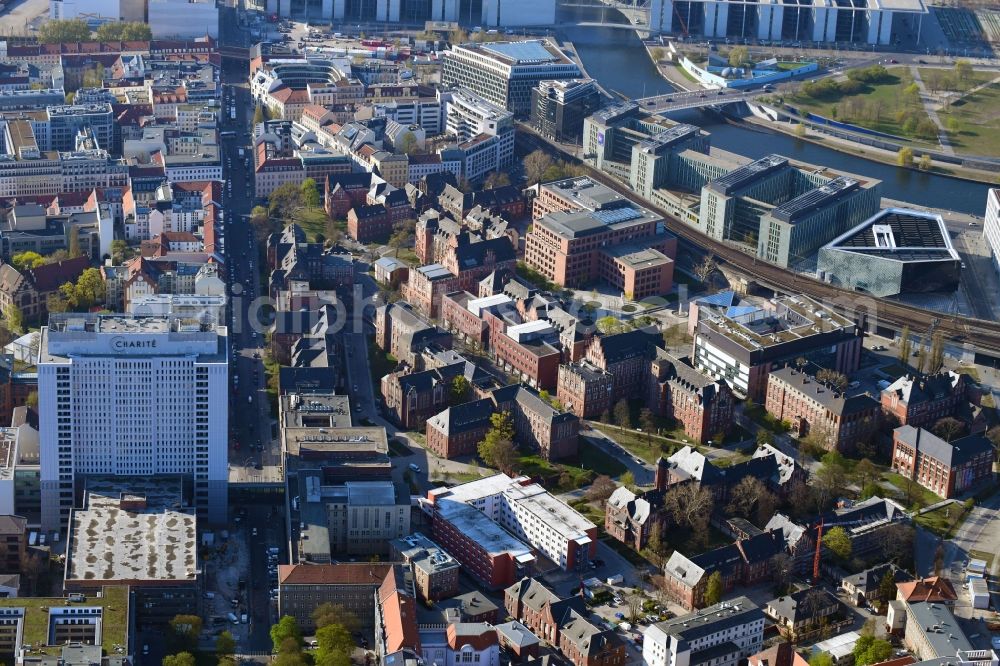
[(225, 644), (865, 472), (126, 31), (185, 629), (287, 629), (335, 645), (936, 360), (310, 193), (904, 157), (179, 659), (887, 587), (330, 613), (496, 179), (905, 346), (963, 71), (821, 659), (56, 303), (94, 77), (714, 589), (623, 414), (536, 164), (871, 650), (89, 288), (32, 400), (13, 319), (284, 200), (120, 251), (408, 143), (925, 162), (497, 448), (459, 389), (627, 479), (73, 243), (27, 260), (610, 325), (837, 541), (739, 56), (402, 235), (57, 31)]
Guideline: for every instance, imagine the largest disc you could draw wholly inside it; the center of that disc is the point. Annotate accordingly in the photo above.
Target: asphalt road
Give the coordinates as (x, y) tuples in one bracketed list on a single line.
[(251, 442)]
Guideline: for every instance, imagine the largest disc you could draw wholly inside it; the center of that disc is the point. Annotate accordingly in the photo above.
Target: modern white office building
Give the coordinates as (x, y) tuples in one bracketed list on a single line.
[(991, 225), (856, 21), (504, 73), (485, 133), (720, 635), (122, 396)]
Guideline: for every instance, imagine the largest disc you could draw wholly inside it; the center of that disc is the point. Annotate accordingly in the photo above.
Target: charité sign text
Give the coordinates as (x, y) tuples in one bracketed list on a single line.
[(123, 344)]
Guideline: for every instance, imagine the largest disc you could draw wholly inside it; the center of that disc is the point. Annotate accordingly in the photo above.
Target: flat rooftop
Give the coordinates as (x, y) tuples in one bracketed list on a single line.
[(816, 199), (335, 440), (132, 531), (531, 52), (782, 320), (112, 600), (638, 258), (899, 234), (315, 410), (748, 174)]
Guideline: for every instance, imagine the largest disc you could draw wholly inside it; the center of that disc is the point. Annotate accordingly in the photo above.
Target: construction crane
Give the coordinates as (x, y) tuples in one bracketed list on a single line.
[(819, 540)]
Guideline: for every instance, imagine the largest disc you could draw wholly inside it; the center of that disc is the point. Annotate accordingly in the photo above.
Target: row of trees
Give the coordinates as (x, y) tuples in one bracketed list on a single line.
[(333, 637), (76, 30), (927, 360)]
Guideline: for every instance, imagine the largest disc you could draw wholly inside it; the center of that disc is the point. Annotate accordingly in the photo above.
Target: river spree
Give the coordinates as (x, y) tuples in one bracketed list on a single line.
[(617, 59)]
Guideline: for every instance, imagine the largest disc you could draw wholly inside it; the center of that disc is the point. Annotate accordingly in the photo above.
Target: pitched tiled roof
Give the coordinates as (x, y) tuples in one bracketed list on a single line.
[(50, 277), (933, 589), (345, 573), (950, 454)]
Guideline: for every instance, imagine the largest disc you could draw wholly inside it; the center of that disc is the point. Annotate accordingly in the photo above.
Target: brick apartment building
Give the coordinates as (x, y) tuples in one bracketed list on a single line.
[(563, 623), (525, 351), (626, 357), (814, 407), (702, 405), (537, 425), (947, 469), (920, 400), (584, 231), (303, 587), (404, 334), (584, 389), (463, 265), (745, 562), (457, 430)]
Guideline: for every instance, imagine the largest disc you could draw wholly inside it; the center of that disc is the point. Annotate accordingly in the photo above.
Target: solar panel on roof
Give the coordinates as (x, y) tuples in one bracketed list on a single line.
[(521, 51), (616, 215)]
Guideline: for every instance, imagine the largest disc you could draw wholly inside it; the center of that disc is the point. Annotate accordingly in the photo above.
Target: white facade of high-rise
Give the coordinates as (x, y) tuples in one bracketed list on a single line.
[(991, 225), (132, 396)]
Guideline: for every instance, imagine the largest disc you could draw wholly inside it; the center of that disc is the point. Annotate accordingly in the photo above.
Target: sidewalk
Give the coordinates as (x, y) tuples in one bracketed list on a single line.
[(926, 100)]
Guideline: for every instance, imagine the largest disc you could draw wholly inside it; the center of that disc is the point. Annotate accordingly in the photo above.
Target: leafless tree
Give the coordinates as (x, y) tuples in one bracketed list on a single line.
[(600, 490)]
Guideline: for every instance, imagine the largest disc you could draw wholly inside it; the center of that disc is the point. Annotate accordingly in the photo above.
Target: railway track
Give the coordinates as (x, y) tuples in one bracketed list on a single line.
[(866, 309)]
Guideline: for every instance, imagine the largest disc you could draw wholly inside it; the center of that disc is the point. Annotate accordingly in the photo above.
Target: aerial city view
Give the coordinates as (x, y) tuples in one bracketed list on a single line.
[(499, 332)]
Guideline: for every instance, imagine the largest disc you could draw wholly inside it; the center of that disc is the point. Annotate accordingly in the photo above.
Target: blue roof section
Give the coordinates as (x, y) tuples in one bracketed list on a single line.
[(616, 215), (723, 299), (740, 310), (521, 51)]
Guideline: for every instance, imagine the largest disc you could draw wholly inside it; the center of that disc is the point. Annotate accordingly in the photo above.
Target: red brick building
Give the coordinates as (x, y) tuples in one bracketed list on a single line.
[(555, 434), (369, 223), (920, 400), (945, 468), (344, 191), (563, 623), (528, 354), (702, 405), (745, 562), (625, 356), (458, 430), (584, 389), (813, 407)]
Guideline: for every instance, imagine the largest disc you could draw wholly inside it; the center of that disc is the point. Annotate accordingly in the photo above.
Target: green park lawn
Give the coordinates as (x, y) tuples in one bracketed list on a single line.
[(977, 117), (942, 521), (875, 107)]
